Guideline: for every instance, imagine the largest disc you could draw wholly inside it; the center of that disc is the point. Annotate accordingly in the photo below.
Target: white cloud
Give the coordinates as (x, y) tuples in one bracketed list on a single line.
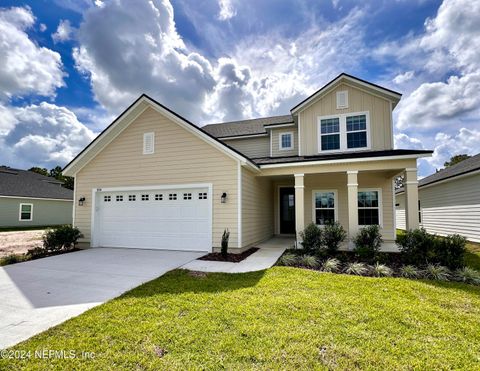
[(227, 10), (403, 141), (41, 135), (403, 77), (43, 27), (64, 31), (26, 68)]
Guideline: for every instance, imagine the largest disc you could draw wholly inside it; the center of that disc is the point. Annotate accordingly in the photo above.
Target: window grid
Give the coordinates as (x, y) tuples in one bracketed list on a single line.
[(368, 208), (330, 134), (324, 204), (132, 197), (356, 131), (286, 141), (202, 196), (158, 197), (145, 197), (119, 198), (26, 212), (187, 196), (343, 132), (107, 198), (172, 196)]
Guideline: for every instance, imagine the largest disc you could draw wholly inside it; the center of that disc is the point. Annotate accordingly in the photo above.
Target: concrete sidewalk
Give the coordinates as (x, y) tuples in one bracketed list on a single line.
[(264, 258)]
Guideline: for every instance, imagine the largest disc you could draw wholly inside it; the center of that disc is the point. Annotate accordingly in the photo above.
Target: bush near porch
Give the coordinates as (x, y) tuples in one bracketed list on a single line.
[(422, 255)]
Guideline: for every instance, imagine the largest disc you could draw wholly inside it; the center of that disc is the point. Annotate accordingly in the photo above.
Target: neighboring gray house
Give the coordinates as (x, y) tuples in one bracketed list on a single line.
[(449, 201), (31, 199)]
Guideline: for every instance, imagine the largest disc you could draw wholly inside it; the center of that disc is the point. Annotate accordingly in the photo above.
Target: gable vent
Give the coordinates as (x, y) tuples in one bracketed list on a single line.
[(148, 143), (342, 99)]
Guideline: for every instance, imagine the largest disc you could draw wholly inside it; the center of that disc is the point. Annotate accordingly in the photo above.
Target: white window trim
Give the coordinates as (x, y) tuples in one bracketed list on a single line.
[(343, 132), (346, 99), (145, 136), (380, 205), (280, 148), (335, 200), (20, 213)]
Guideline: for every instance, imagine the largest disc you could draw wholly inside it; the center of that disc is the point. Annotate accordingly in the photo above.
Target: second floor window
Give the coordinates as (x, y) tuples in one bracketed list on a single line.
[(343, 132), (286, 141)]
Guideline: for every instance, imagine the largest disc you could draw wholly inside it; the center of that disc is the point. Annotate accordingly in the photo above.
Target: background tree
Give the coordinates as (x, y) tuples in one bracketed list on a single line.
[(56, 173), (456, 159), (39, 170), (399, 181)]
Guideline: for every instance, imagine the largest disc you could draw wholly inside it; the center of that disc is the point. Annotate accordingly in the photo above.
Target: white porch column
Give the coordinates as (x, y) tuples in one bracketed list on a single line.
[(411, 198), (299, 205), (352, 185)]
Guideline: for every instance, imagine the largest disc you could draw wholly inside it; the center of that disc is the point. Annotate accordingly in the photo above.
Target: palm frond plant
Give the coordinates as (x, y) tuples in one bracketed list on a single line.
[(437, 272), (331, 265), (381, 270), (410, 271), (357, 269)]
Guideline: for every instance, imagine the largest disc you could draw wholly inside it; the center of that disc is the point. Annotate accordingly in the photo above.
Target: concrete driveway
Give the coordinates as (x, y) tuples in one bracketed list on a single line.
[(39, 294)]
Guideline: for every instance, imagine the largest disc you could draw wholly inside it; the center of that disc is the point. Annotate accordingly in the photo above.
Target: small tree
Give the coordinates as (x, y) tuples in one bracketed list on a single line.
[(367, 242), (225, 237), (311, 238), (333, 235)]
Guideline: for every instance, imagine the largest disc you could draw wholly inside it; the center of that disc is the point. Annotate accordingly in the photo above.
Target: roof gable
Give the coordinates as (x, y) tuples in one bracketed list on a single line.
[(129, 116), (355, 82)]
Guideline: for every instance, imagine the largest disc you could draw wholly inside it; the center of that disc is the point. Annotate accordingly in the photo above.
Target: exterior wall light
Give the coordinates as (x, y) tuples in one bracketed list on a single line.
[(223, 199), (81, 200)]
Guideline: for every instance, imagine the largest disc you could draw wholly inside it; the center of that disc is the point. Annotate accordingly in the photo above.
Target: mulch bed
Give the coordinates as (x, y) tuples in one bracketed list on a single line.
[(232, 258)]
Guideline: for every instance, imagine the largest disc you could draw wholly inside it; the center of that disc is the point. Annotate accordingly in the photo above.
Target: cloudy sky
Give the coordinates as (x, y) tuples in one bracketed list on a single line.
[(69, 67)]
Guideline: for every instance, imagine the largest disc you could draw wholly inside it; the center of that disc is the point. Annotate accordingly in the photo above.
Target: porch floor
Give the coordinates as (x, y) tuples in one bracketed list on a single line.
[(264, 258)]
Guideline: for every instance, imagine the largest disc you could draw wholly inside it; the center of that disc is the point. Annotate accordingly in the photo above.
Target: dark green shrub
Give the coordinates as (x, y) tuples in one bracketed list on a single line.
[(416, 246), (60, 238), (367, 242), (37, 252), (332, 236), (449, 251), (225, 238), (11, 259), (312, 238)]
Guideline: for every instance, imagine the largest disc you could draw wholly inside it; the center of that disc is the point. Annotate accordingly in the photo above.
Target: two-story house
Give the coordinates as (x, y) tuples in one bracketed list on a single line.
[(154, 180)]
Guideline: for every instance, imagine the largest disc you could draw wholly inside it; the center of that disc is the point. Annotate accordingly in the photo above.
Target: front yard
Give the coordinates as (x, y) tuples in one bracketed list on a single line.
[(19, 241), (276, 319)]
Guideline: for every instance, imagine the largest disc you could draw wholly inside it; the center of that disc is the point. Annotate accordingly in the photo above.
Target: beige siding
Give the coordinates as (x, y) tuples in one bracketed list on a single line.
[(359, 101), (451, 207), (251, 147), (338, 182), (275, 139), (257, 208), (180, 157)]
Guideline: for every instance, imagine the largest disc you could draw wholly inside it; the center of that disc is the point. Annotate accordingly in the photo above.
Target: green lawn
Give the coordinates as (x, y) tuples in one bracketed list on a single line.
[(281, 318), (472, 257)]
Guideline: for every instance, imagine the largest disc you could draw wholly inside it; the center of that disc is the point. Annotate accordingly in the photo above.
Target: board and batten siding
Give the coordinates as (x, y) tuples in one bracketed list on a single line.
[(251, 147), (257, 208), (45, 212), (180, 157), (449, 207), (358, 101), (275, 142)]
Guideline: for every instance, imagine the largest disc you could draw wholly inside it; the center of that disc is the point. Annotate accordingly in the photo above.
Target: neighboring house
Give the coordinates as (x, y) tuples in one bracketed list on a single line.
[(30, 199), (449, 201), (152, 179)]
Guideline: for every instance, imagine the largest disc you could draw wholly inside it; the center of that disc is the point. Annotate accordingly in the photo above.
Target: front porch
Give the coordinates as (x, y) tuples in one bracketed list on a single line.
[(354, 198)]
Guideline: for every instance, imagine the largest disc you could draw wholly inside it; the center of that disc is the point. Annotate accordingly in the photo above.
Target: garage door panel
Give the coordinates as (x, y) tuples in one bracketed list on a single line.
[(154, 219)]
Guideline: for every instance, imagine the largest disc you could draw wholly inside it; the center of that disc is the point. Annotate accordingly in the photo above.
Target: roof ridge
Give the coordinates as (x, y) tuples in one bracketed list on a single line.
[(248, 120)]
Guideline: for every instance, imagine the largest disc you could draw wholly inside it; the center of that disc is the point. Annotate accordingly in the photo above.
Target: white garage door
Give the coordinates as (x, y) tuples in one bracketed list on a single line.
[(171, 219)]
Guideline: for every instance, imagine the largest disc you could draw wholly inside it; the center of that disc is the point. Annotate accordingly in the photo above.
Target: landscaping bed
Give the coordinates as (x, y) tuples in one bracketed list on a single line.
[(229, 257), (281, 318)]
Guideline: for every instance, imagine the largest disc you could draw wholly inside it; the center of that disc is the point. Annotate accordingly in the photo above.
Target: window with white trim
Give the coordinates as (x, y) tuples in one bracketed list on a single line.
[(345, 132), (119, 198), (26, 212), (148, 143), (369, 205), (342, 99), (325, 206), (145, 197), (187, 196), (285, 141), (132, 197), (107, 198), (158, 197), (202, 196), (172, 196)]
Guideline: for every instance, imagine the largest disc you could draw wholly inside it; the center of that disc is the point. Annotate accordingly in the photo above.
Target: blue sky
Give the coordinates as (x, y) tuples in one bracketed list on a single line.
[(67, 68)]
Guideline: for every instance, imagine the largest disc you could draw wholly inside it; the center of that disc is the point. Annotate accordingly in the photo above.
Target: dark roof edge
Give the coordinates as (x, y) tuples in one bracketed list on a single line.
[(347, 75), (170, 111)]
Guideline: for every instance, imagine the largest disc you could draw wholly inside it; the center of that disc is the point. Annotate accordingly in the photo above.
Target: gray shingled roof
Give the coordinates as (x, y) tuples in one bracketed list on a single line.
[(23, 183), (337, 156), (245, 127), (466, 166)]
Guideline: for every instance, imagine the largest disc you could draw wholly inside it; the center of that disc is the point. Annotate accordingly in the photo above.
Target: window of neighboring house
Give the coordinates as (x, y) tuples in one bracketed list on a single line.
[(286, 141), (325, 207), (26, 212), (369, 207), (344, 132), (419, 212), (330, 134)]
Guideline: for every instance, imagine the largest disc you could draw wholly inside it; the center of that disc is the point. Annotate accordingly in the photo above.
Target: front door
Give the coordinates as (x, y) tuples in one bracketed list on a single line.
[(287, 210)]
